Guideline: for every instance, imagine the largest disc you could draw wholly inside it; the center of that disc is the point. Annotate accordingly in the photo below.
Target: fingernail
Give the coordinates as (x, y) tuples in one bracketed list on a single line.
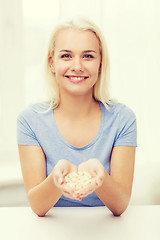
[(79, 198), (60, 180), (99, 181)]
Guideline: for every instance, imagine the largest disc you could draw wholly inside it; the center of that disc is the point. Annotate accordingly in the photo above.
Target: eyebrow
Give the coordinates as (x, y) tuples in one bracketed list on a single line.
[(86, 51)]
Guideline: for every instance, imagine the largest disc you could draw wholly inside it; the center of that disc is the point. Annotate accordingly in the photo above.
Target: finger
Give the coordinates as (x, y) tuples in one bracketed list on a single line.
[(99, 182), (71, 168), (67, 189), (58, 175), (63, 171), (83, 194), (58, 179), (78, 196), (74, 169), (83, 167), (68, 195), (72, 195), (89, 188), (100, 178), (63, 166)]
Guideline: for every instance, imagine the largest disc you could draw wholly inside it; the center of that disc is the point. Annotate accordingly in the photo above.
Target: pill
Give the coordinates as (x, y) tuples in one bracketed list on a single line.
[(78, 180)]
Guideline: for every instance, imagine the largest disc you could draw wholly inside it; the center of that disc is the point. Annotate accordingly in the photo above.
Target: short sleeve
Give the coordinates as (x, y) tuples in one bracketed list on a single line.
[(127, 128), (26, 128)]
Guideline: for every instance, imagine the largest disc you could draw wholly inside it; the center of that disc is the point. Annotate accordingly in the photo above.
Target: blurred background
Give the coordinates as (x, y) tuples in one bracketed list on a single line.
[(132, 32)]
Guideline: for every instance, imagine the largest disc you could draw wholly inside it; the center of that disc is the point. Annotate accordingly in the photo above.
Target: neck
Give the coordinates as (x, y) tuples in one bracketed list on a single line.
[(76, 106)]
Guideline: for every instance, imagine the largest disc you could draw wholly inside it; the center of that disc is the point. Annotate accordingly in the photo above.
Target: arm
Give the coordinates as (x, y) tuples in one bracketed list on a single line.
[(42, 193), (115, 192), (115, 189)]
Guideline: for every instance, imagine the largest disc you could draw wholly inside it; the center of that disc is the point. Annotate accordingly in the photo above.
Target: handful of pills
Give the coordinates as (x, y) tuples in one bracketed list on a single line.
[(78, 180)]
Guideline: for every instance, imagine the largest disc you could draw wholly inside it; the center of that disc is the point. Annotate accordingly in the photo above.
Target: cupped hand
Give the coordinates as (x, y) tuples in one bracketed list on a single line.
[(63, 168), (96, 170)]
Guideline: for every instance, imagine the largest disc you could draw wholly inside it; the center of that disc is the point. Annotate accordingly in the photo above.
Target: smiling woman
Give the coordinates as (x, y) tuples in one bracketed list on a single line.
[(86, 56), (64, 46), (97, 135), (79, 63)]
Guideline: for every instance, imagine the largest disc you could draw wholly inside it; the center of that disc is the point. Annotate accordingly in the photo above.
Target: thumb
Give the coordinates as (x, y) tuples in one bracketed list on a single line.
[(60, 180)]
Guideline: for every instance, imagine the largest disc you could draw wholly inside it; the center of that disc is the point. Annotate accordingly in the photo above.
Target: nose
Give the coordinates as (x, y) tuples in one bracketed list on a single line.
[(77, 65)]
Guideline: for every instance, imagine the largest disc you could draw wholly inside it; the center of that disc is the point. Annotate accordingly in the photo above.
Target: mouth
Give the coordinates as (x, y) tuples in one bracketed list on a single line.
[(76, 79)]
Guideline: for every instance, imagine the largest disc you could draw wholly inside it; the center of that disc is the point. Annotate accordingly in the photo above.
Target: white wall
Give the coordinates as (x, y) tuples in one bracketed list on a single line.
[(132, 29), (11, 70), (132, 32)]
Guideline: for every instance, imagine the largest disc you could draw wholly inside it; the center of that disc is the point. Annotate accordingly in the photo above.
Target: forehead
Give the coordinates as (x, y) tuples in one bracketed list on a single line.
[(70, 39)]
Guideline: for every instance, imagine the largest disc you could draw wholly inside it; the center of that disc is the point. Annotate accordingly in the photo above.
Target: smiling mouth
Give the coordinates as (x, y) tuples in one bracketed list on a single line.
[(77, 78)]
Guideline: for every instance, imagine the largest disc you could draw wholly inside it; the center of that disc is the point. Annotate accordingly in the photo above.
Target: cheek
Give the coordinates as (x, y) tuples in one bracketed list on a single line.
[(95, 70), (93, 66), (60, 69)]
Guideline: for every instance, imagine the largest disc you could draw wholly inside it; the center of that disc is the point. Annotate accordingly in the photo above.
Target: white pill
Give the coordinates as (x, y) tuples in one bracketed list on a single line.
[(78, 180)]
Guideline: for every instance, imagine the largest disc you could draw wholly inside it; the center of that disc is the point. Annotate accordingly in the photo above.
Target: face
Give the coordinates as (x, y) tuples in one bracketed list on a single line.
[(76, 61)]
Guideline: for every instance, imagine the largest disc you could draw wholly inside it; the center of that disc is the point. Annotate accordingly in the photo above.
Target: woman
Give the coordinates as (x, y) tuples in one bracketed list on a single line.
[(80, 130)]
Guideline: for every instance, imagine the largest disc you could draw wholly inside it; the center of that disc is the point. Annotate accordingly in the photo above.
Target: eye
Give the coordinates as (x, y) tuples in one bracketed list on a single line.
[(66, 56), (88, 56)]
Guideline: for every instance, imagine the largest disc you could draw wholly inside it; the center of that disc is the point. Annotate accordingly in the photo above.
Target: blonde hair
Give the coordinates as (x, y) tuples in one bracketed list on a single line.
[(101, 88)]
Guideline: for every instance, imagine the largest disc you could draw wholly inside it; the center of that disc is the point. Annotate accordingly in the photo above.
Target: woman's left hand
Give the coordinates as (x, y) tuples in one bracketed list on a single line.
[(96, 170)]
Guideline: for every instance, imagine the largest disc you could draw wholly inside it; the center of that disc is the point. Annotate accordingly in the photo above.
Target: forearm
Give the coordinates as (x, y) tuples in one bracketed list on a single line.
[(113, 195), (44, 196)]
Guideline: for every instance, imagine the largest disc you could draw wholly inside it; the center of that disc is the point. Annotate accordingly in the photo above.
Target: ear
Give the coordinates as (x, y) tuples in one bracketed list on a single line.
[(51, 64)]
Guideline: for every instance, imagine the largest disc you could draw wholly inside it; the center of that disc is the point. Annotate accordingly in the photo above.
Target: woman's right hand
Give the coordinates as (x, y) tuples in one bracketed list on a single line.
[(62, 168)]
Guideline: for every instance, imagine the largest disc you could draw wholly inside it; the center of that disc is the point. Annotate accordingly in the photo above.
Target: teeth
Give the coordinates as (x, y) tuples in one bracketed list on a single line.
[(76, 78)]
